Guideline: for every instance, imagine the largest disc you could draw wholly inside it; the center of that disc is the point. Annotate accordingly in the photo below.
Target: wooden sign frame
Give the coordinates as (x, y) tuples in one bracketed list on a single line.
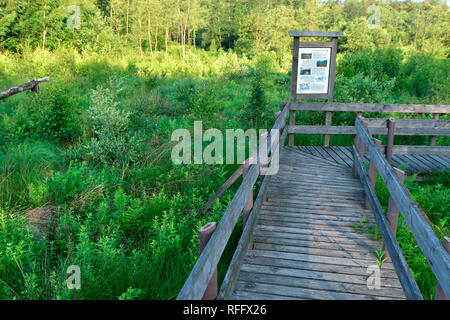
[(295, 61)]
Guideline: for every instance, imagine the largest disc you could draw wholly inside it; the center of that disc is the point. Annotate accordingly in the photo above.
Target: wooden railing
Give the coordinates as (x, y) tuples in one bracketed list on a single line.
[(205, 268), (435, 253), (412, 127)]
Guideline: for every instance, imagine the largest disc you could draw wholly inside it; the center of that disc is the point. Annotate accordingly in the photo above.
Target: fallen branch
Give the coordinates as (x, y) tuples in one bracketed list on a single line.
[(31, 85)]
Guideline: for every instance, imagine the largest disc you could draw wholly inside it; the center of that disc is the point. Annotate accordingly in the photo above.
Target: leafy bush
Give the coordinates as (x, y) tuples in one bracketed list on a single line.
[(51, 115), (113, 143), (424, 76)]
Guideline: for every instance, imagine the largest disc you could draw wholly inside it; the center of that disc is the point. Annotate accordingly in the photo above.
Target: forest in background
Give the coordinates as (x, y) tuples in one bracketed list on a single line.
[(93, 148)]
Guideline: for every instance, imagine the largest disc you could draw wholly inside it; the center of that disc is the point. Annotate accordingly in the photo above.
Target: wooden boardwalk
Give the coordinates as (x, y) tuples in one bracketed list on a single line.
[(312, 238), (307, 234), (423, 164)]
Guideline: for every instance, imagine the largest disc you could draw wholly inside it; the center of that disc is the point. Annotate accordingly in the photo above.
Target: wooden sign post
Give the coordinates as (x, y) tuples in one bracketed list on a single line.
[(313, 71)]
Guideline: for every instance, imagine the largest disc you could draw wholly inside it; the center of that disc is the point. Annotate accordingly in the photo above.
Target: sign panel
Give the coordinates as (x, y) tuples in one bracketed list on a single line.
[(313, 70)]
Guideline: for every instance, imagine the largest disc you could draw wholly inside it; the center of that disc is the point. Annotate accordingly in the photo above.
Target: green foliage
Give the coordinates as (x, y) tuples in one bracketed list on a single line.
[(23, 168), (126, 215), (112, 141), (432, 197), (425, 77), (51, 115)]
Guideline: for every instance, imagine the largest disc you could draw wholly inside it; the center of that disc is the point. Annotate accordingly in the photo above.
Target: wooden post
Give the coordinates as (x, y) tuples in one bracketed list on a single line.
[(356, 143), (249, 204), (372, 174), (326, 138), (392, 211), (291, 123), (433, 138), (359, 145), (205, 234), (329, 114), (390, 139), (440, 295), (264, 166)]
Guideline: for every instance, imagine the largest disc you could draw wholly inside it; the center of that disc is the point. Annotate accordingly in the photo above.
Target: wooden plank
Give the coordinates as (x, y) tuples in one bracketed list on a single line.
[(437, 150), (316, 190), (306, 129), (342, 158), (343, 155), (409, 123), (430, 245), (441, 160), (312, 151), (296, 175), (244, 295), (436, 161), (325, 233), (313, 190), (360, 256), (330, 34), (322, 243), (316, 203), (428, 162), (304, 157), (370, 107), (410, 165), (317, 217), (323, 215), (414, 161), (315, 280), (337, 225), (315, 195), (389, 275), (350, 130), (304, 293), (347, 152), (314, 208), (319, 237)]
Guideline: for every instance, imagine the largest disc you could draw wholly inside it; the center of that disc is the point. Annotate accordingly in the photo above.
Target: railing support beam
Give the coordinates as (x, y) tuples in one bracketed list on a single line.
[(440, 295), (392, 212), (390, 139), (205, 234)]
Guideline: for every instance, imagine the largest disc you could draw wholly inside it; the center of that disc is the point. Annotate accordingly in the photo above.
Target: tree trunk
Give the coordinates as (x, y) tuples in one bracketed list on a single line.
[(128, 14), (140, 34), (44, 33), (167, 34), (149, 31)]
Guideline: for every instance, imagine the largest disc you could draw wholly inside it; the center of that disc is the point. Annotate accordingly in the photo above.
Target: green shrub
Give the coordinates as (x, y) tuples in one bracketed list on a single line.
[(51, 115), (113, 143)]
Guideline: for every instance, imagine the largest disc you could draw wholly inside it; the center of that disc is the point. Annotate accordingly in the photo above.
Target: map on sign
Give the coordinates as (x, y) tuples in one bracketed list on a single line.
[(313, 70)]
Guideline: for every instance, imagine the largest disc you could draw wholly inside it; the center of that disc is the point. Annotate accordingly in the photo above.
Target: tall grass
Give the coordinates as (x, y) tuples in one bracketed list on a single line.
[(24, 166)]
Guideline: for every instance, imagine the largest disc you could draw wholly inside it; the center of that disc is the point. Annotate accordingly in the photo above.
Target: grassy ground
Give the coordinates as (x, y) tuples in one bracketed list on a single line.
[(95, 145)]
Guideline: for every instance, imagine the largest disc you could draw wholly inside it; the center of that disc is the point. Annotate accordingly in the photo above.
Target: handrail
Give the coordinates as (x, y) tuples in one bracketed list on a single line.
[(197, 282), (371, 107), (434, 252), (423, 127)]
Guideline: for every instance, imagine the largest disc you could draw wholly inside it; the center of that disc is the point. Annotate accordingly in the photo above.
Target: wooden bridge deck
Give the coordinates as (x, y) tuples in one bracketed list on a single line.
[(423, 164), (312, 237)]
